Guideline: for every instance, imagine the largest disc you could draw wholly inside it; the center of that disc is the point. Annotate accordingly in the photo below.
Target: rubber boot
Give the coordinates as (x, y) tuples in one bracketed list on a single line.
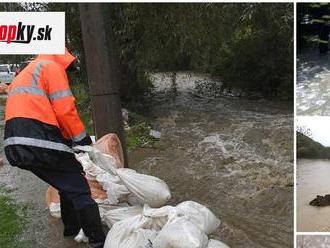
[(69, 218), (90, 221)]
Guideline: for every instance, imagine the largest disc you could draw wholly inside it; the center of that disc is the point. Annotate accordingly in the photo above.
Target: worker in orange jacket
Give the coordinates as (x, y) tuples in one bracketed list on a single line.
[(41, 126)]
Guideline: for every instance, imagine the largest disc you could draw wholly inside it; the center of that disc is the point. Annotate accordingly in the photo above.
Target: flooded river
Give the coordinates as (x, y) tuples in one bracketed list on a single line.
[(312, 179), (313, 83), (232, 154)]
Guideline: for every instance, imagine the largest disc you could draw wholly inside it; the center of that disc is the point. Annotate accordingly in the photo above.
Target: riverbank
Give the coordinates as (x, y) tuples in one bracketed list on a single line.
[(312, 180)]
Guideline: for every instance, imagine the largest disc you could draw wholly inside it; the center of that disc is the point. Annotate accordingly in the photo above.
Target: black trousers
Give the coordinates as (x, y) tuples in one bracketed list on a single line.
[(72, 186), (62, 171), (59, 169)]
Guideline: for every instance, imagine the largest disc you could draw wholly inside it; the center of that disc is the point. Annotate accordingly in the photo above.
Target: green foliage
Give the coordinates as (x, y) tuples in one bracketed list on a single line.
[(138, 136), (12, 216), (83, 103), (248, 45)]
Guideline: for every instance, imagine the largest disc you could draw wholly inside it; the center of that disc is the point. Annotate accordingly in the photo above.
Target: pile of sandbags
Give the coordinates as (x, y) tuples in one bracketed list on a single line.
[(184, 226), (132, 205), (108, 144), (122, 184)]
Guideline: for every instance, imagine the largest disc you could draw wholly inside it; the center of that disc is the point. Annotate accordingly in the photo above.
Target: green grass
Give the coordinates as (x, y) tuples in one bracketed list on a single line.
[(12, 221), (138, 136)]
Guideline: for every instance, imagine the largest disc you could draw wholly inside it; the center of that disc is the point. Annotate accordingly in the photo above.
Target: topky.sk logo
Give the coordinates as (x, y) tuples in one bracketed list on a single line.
[(32, 32), (21, 33)]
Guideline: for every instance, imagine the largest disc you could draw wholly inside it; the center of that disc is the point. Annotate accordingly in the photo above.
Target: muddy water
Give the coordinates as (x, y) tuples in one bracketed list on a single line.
[(313, 83), (312, 179), (232, 154)]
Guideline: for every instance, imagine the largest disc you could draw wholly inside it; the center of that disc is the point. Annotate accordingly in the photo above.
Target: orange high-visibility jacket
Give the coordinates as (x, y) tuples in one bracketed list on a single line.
[(41, 93)]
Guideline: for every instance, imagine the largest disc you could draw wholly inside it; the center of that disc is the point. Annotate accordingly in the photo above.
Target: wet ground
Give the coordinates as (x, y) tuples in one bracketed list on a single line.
[(232, 154), (313, 83), (313, 241), (312, 179)]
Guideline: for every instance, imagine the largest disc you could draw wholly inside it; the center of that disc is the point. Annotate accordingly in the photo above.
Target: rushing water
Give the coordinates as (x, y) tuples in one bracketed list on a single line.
[(232, 154), (313, 84), (312, 179)]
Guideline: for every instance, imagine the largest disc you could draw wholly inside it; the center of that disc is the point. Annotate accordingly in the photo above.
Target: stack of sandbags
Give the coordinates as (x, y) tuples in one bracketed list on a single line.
[(111, 184), (184, 226), (114, 189), (108, 144), (122, 192)]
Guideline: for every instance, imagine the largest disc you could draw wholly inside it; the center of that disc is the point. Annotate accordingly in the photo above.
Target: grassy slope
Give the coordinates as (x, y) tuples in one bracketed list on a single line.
[(308, 148)]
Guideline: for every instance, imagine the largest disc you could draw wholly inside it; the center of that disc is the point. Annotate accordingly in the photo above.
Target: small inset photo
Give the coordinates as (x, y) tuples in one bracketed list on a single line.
[(313, 59), (313, 174), (313, 241)]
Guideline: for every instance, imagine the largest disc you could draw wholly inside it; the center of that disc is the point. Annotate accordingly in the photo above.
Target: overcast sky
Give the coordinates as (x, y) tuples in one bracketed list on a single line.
[(319, 127)]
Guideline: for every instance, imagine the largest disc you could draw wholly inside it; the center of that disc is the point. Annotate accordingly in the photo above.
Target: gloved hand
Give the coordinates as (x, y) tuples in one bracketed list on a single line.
[(87, 141)]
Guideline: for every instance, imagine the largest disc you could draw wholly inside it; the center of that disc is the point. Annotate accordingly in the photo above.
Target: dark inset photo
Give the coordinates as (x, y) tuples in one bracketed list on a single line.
[(313, 63)]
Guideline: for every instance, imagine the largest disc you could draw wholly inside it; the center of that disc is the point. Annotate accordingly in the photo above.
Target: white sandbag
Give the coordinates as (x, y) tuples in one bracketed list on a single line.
[(105, 208), (92, 171), (180, 233), (55, 210), (148, 189), (115, 215), (199, 215), (114, 187), (90, 168), (128, 234), (156, 218), (104, 161), (81, 237), (138, 231), (216, 244), (133, 200)]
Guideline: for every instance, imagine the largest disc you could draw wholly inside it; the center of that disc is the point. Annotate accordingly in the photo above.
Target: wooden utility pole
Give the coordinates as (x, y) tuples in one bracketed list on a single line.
[(102, 61)]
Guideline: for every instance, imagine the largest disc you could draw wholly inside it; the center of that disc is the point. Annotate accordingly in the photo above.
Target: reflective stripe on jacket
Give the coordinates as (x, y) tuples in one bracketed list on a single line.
[(41, 92)]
